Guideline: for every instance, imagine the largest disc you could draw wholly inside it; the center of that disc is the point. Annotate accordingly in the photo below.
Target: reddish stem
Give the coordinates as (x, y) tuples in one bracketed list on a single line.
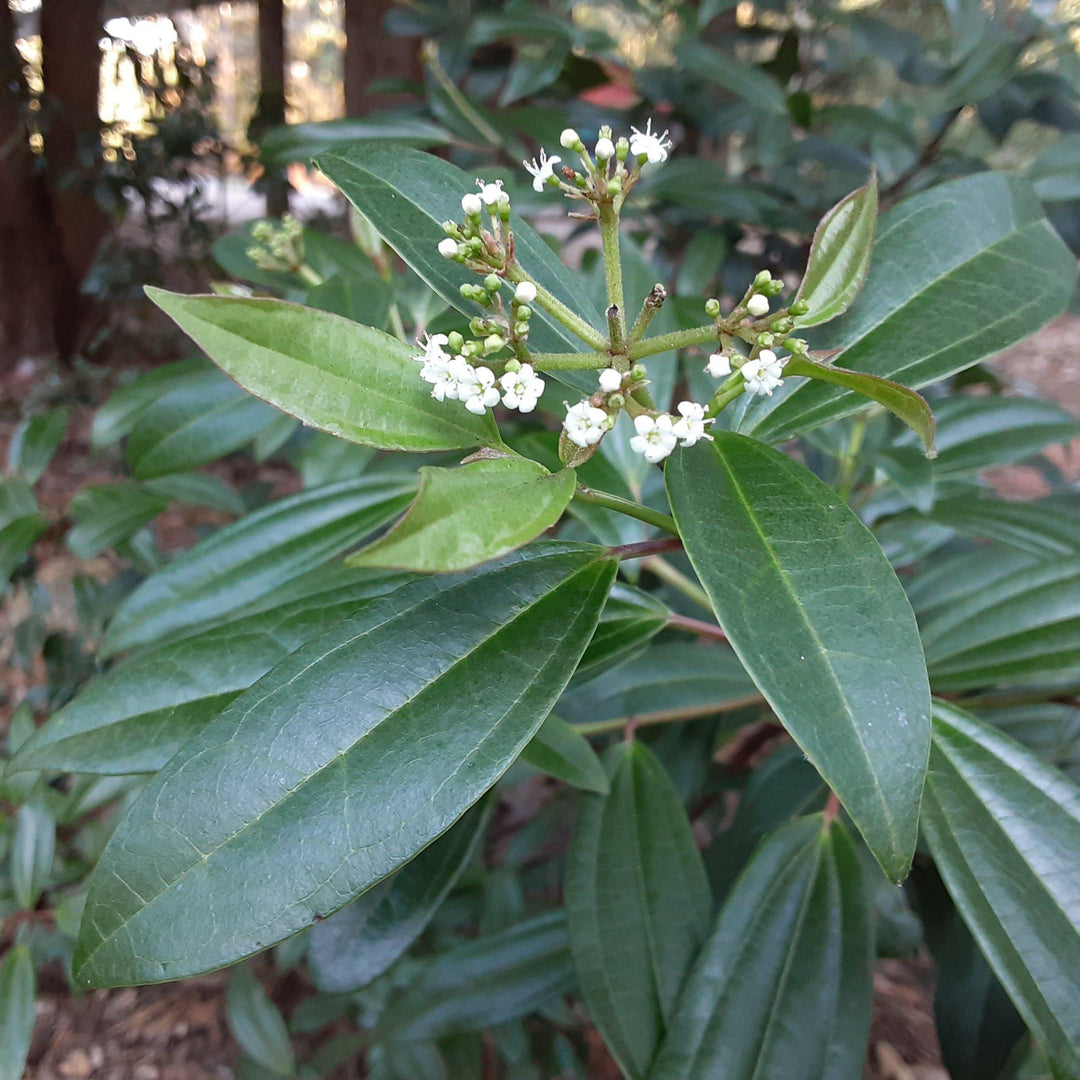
[(696, 626), (832, 808), (647, 547)]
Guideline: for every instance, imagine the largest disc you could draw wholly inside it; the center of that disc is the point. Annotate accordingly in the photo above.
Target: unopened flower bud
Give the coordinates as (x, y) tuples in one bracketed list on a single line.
[(447, 248), (455, 341), (472, 204), (765, 339), (614, 186), (513, 364), (616, 401), (523, 312), (712, 307), (622, 148), (478, 326), (492, 283), (794, 345), (493, 343), (521, 329), (571, 140), (638, 372), (762, 279), (610, 380), (774, 288), (451, 229), (783, 325), (525, 293), (800, 307), (758, 305), (605, 149)]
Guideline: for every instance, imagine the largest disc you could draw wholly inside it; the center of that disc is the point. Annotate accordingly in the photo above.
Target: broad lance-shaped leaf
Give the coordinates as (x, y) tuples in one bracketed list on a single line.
[(140, 712), (638, 905), (631, 618), (905, 403), (408, 195), (817, 617), (839, 256), (333, 374), (562, 752), (1004, 831), (253, 557), (783, 987), (469, 514), (356, 945), (310, 787), (930, 309)]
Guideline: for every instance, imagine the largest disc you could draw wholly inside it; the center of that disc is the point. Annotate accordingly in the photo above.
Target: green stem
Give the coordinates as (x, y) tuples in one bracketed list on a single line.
[(678, 581), (609, 235), (572, 361), (849, 463), (669, 716), (653, 302), (396, 323), (625, 506), (309, 275), (558, 310), (677, 339), (730, 389)]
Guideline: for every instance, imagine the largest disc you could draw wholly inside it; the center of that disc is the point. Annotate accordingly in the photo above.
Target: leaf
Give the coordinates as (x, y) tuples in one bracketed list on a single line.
[(485, 982), (302, 142), (31, 856), (1043, 527), (561, 752), (1004, 829), (140, 712), (469, 514), (408, 195), (33, 443), (1050, 729), (783, 987), (1023, 627), (905, 403), (198, 489), (839, 256), (17, 990), (930, 309), (358, 943), (744, 80), (1055, 173), (637, 903), (117, 416), (631, 618), (253, 557), (691, 680), (109, 514), (335, 795), (350, 380), (911, 471), (817, 617), (257, 1025), (197, 421), (20, 524)]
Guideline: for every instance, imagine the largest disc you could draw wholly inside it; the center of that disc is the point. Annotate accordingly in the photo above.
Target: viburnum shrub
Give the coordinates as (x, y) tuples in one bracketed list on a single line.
[(324, 736)]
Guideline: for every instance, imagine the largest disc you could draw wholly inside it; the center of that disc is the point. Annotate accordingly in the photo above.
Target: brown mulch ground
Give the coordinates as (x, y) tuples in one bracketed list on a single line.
[(178, 1031)]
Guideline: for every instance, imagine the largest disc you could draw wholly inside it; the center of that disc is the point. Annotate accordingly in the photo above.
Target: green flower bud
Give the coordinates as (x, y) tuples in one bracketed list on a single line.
[(521, 329), (800, 307), (773, 288), (492, 283), (762, 279), (783, 325), (616, 401), (493, 343), (765, 340), (513, 364), (455, 341), (712, 307), (638, 372), (614, 186), (622, 148), (523, 312), (794, 345)]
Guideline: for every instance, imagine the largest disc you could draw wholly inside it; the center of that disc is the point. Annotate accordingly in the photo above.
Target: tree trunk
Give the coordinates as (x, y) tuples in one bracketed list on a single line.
[(372, 54), (270, 112)]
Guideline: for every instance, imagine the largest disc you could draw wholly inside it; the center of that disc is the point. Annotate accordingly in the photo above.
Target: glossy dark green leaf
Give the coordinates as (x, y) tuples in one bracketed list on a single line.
[(408, 195), (17, 989), (197, 421), (141, 711), (253, 557), (1004, 829), (1023, 627), (108, 514), (1044, 527), (331, 373), (335, 795), (631, 618), (33, 443), (839, 256), (257, 1025), (911, 471), (199, 489), (1055, 173), (358, 943), (560, 751), (466, 515), (905, 403), (692, 680), (20, 524), (302, 142), (957, 576), (486, 982), (817, 617), (744, 80), (783, 987), (637, 903), (929, 310), (31, 856), (1050, 729)]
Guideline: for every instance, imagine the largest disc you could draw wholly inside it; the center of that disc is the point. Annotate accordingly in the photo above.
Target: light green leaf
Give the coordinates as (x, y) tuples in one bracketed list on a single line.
[(331, 373), (109, 514), (475, 512), (34, 442), (358, 943), (257, 1025), (254, 557), (486, 982), (783, 987), (117, 416), (817, 617), (839, 256), (905, 403), (560, 751), (931, 309), (134, 717), (1004, 829), (17, 989), (198, 489), (335, 795), (637, 903)]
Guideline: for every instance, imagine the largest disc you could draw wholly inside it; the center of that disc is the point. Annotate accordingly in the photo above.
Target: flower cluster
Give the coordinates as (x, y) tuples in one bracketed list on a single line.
[(476, 386), (277, 247)]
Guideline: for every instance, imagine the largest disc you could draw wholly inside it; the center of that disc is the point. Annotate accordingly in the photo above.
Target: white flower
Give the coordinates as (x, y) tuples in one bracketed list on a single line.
[(476, 388), (471, 204), (491, 193), (448, 248), (758, 305), (569, 139), (690, 427), (432, 347), (525, 293), (585, 424), (762, 374), (541, 171), (719, 365), (654, 147), (521, 389), (441, 369), (605, 149), (655, 438), (610, 380)]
